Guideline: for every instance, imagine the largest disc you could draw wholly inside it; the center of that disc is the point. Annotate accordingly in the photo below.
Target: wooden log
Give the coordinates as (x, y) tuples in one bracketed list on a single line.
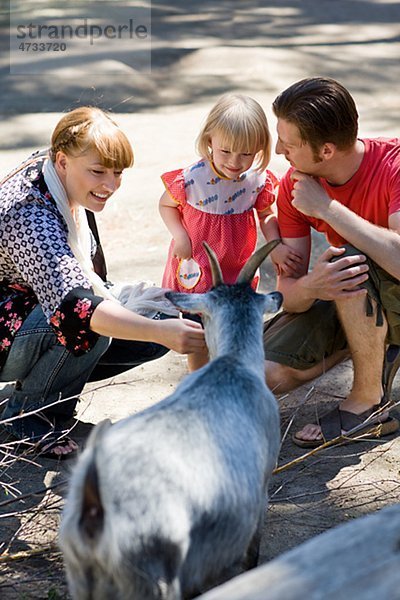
[(359, 560)]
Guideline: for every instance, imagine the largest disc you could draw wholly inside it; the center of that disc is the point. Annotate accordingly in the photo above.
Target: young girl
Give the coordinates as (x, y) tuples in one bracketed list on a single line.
[(215, 199)]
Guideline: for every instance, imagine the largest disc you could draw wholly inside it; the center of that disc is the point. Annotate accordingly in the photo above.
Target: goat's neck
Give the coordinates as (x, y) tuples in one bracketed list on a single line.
[(240, 338)]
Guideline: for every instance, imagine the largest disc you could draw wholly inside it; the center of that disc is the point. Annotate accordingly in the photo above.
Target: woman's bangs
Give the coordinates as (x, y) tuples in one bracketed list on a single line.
[(114, 149)]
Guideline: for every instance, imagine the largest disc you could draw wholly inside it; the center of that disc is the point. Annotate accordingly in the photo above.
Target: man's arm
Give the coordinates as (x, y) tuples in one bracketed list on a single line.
[(326, 281), (381, 244)]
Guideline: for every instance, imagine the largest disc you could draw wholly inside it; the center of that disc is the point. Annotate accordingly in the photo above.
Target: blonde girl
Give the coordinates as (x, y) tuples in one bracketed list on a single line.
[(219, 197)]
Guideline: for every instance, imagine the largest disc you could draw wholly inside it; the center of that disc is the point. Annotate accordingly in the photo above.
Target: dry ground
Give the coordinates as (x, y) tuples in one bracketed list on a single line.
[(258, 48)]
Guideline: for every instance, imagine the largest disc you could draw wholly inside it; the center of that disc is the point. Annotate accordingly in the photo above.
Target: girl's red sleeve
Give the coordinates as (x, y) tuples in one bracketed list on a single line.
[(267, 195), (175, 185)]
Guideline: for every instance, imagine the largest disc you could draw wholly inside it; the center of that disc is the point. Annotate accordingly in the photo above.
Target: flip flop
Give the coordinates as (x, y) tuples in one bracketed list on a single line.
[(38, 448), (45, 447), (335, 421), (37, 437), (390, 368)]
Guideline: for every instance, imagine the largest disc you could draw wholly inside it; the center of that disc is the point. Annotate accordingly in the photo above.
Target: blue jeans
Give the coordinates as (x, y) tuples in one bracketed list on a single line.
[(46, 372)]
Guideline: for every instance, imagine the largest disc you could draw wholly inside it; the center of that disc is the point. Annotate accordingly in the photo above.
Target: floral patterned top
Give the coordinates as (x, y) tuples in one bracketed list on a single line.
[(37, 265)]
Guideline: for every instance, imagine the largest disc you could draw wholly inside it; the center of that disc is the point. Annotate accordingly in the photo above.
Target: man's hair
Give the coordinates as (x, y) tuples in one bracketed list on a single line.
[(242, 125), (89, 128), (323, 111)]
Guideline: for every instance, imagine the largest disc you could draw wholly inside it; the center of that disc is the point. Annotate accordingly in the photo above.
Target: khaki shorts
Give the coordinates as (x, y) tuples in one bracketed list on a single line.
[(302, 340)]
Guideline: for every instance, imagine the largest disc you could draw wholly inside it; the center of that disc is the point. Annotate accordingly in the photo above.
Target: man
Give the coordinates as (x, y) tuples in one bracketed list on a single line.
[(349, 189)]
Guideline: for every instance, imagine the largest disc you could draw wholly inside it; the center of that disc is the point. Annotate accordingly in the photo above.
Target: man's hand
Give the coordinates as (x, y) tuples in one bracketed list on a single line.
[(339, 279), (182, 335), (309, 197)]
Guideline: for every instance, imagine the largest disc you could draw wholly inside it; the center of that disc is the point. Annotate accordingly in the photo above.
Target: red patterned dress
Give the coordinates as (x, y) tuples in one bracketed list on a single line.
[(220, 211)]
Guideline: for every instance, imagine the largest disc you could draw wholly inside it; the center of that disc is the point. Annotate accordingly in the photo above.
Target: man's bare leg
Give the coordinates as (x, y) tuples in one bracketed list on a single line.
[(367, 346), (281, 378)]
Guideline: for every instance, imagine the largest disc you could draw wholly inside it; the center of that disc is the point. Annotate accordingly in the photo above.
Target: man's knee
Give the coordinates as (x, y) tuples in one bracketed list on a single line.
[(282, 378)]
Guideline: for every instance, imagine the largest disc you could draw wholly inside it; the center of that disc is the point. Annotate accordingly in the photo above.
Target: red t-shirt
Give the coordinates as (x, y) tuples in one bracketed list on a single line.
[(372, 193)]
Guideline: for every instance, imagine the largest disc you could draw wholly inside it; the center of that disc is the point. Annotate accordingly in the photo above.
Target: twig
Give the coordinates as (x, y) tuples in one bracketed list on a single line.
[(344, 438), (23, 554), (39, 492), (303, 401)]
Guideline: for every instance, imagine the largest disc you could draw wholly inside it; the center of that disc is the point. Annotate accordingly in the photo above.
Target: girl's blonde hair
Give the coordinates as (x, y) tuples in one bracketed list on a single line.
[(243, 126), (87, 129)]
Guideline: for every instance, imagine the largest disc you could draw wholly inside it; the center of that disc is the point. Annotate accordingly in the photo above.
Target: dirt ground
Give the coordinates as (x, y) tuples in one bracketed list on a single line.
[(258, 48)]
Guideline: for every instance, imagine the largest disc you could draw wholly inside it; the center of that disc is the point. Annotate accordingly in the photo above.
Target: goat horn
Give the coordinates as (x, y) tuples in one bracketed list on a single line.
[(249, 269), (216, 272)]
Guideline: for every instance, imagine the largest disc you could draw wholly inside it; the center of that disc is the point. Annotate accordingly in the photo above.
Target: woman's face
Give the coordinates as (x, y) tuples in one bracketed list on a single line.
[(87, 182)]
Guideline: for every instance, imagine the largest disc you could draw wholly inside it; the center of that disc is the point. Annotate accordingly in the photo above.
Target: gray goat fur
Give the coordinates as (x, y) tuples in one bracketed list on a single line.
[(162, 503)]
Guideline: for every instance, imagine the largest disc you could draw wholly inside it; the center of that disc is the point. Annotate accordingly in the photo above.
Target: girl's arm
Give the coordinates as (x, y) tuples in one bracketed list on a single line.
[(170, 214), (112, 320), (269, 225), (284, 258)]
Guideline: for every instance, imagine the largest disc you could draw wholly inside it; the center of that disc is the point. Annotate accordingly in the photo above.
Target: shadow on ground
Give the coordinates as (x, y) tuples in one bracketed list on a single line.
[(255, 47)]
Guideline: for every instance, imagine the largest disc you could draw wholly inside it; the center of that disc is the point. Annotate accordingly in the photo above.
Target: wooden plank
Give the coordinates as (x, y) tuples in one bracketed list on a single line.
[(359, 560)]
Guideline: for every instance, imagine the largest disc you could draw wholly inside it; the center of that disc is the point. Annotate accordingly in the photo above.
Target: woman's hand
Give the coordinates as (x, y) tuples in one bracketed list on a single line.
[(113, 320), (182, 335)]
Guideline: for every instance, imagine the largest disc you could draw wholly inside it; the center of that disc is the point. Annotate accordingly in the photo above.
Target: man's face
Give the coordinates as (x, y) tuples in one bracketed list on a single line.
[(300, 154)]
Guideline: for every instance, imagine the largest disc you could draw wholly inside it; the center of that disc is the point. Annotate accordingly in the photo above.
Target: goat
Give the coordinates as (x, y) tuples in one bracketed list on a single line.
[(162, 503)]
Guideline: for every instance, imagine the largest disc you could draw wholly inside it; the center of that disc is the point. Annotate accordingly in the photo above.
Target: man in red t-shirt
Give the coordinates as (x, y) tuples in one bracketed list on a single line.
[(349, 189)]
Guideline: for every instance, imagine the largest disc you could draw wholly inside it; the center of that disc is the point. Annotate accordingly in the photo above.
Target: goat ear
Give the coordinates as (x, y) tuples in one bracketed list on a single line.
[(272, 302), (98, 432), (191, 303)]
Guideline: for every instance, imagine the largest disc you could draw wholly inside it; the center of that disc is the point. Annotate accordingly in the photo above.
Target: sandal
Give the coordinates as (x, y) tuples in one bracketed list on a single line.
[(335, 421), (390, 368), (45, 448), (39, 438)]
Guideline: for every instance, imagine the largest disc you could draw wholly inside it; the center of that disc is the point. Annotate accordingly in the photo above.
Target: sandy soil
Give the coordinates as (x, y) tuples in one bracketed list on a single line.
[(258, 50)]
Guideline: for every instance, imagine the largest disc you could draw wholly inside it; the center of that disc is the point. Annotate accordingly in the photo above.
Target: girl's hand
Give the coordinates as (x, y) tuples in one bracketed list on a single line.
[(287, 262), (182, 246)]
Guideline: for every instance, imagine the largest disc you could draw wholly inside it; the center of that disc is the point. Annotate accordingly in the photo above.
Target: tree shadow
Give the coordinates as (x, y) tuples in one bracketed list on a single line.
[(196, 57)]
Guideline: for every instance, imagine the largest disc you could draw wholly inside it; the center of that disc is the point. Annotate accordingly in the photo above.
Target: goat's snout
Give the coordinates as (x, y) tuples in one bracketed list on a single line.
[(273, 302)]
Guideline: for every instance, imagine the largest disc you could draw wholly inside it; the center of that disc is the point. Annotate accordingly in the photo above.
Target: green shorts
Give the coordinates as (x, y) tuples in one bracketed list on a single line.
[(302, 340)]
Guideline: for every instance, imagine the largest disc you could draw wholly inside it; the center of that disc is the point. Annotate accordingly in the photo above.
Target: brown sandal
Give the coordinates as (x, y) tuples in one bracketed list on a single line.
[(335, 421), (390, 368)]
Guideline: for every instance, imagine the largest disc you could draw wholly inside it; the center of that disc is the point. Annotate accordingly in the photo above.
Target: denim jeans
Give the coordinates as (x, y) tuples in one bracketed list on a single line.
[(45, 372)]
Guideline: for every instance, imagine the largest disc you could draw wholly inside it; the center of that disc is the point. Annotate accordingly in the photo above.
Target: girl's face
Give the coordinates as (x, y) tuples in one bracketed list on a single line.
[(87, 182), (227, 163)]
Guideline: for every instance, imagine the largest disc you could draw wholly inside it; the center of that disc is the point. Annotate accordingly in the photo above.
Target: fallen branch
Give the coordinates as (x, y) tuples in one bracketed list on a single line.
[(350, 436)]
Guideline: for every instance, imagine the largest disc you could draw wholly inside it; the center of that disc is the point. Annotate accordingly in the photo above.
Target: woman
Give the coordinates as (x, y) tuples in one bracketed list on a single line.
[(56, 314)]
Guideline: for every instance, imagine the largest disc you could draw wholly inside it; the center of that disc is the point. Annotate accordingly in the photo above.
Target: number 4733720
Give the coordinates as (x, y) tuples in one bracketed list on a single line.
[(42, 47)]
